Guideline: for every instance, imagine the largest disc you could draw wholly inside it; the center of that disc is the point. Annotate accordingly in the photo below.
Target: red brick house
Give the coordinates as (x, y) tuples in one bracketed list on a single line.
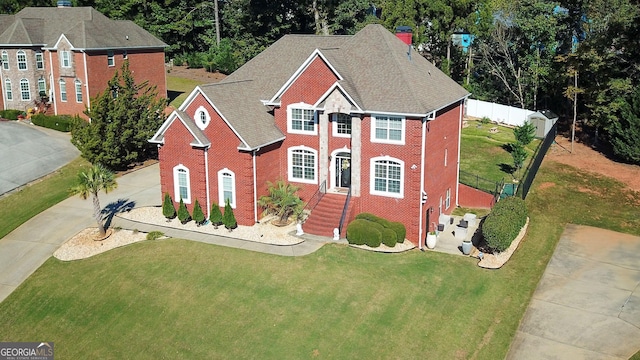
[(59, 58), (361, 116)]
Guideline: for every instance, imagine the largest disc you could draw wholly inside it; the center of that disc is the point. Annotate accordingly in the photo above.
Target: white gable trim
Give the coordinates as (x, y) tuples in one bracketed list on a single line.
[(343, 92), (167, 123), (190, 98), (55, 47), (316, 53)]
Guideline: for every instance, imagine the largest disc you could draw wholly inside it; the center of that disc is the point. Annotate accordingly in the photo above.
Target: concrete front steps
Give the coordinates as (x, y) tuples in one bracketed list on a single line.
[(325, 216)]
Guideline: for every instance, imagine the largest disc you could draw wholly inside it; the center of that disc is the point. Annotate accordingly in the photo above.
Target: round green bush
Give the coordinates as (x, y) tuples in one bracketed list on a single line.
[(389, 237), (361, 232)]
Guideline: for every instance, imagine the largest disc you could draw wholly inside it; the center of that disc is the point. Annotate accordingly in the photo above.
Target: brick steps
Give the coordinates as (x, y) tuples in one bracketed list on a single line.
[(325, 216)]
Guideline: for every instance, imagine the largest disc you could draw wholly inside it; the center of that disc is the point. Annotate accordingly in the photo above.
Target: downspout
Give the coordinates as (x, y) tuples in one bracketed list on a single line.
[(53, 85), (458, 162), (255, 187), (206, 179), (4, 99), (86, 82), (422, 192)]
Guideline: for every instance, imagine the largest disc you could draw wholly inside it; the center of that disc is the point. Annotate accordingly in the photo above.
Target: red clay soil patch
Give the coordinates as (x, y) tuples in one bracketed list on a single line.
[(194, 74), (546, 185), (587, 159)]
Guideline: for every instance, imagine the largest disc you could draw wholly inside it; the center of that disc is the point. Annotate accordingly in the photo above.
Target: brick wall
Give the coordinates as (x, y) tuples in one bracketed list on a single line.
[(474, 198)]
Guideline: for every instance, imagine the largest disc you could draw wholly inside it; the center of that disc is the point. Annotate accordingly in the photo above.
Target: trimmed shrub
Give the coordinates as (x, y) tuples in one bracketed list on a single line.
[(216, 215), (60, 123), (168, 209), (10, 114), (398, 227), (504, 222), (183, 213), (155, 235), (389, 237), (228, 219), (198, 215), (358, 230)]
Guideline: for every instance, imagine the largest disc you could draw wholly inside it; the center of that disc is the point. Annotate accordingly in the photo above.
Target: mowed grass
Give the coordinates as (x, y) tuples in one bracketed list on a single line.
[(20, 206), (179, 88), (179, 299), (483, 153)]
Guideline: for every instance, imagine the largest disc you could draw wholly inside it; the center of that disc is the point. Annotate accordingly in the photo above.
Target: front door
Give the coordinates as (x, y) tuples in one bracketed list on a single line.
[(342, 170)]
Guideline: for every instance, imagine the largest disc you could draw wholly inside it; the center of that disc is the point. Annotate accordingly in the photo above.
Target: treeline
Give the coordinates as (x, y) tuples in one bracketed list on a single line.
[(533, 54)]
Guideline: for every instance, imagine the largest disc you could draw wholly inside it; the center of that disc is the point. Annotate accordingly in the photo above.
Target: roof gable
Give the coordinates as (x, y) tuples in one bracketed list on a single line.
[(199, 138)]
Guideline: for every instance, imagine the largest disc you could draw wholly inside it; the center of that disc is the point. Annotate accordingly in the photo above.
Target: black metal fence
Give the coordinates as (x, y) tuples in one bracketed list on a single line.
[(480, 183), (534, 165)]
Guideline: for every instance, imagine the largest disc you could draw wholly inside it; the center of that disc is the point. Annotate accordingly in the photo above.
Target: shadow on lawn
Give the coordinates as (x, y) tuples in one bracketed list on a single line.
[(116, 207)]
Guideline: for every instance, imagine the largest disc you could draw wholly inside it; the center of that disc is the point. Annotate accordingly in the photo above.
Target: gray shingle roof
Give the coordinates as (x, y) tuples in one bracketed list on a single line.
[(85, 27), (199, 138), (376, 69)]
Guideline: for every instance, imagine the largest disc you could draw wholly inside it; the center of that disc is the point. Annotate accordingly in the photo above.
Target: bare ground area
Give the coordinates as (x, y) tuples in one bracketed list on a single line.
[(194, 74), (584, 157)]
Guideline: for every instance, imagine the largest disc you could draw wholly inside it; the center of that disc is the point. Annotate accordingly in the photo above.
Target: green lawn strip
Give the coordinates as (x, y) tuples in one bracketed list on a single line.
[(191, 300), (18, 207), (181, 86)]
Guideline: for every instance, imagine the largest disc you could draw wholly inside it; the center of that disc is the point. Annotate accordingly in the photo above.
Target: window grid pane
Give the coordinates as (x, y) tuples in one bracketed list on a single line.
[(308, 120), (5, 60), (387, 176), (302, 119), (39, 61), (25, 93), (388, 128), (343, 124), (78, 91), (7, 85), (303, 165), (42, 86), (22, 60), (182, 184), (63, 90)]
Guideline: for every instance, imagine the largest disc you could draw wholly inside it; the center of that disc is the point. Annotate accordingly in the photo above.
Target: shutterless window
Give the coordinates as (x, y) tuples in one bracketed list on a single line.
[(387, 178), (63, 90), (42, 86), (302, 119), (25, 92), (226, 183), (22, 60), (66, 59), (343, 124), (5, 60), (8, 91), (388, 128), (39, 61), (110, 59), (447, 199), (78, 85)]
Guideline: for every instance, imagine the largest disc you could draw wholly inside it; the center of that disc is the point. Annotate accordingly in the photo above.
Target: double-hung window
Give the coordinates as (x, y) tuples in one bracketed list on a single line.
[(8, 91), (227, 187), (182, 187), (39, 61), (22, 60), (42, 86), (25, 91), (78, 86), (387, 129), (301, 119), (111, 61), (65, 58), (302, 164), (447, 199), (387, 177), (5, 60), (341, 125), (63, 90)]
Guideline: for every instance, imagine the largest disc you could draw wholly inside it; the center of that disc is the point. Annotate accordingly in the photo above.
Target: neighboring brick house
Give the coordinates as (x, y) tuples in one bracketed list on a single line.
[(58, 58), (362, 114)]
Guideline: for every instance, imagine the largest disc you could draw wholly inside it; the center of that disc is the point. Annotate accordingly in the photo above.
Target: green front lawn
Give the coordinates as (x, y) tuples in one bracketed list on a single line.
[(180, 299)]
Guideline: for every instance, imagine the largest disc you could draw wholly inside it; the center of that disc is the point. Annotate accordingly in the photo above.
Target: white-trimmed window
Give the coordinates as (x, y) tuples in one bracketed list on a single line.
[(341, 125), (202, 117), (181, 184), (227, 187), (42, 86), (125, 55), (387, 129), (446, 153), (25, 91), (303, 162), (5, 60), (39, 60), (78, 86), (111, 61), (63, 90), (387, 177), (22, 60), (301, 119), (447, 199), (7, 90), (65, 59)]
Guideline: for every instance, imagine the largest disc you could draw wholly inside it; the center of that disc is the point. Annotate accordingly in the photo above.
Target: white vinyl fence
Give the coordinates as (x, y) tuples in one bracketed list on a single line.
[(502, 114)]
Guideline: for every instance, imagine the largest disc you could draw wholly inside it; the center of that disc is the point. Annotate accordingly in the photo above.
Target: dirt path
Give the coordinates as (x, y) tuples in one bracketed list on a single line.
[(588, 159)]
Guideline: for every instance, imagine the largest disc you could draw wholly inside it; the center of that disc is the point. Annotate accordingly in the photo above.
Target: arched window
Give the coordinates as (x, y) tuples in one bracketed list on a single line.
[(202, 117), (22, 60), (181, 184), (7, 90), (303, 162), (25, 91), (226, 187), (78, 86), (387, 177), (63, 90)]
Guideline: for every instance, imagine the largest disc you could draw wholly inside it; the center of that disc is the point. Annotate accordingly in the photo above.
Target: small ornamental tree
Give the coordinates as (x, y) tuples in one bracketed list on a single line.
[(519, 155), (198, 215), (183, 213), (168, 209), (525, 133), (228, 219), (216, 216)]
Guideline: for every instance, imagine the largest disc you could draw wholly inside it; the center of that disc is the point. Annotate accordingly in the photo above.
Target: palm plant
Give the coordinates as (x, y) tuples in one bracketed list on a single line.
[(282, 201), (90, 183)]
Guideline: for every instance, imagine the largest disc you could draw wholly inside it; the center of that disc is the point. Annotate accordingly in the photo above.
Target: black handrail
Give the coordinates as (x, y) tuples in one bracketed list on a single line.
[(317, 196), (344, 211)]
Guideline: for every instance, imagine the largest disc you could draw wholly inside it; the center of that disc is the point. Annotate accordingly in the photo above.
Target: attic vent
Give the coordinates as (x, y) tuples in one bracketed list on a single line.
[(64, 3)]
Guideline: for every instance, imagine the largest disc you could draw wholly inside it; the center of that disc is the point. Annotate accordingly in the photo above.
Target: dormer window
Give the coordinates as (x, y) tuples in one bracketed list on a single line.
[(301, 119), (202, 118)]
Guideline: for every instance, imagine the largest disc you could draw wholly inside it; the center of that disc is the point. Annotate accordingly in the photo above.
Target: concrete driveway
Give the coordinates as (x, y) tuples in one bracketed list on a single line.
[(587, 304), (28, 152)]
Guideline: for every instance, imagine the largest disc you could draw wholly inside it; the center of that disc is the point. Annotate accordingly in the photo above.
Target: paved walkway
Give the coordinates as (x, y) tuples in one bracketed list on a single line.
[(587, 304)]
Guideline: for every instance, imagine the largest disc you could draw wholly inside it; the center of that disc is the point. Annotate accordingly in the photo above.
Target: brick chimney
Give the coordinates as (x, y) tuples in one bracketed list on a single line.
[(404, 33)]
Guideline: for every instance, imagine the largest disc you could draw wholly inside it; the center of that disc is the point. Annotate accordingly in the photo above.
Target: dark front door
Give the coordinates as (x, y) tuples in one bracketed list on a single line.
[(343, 170)]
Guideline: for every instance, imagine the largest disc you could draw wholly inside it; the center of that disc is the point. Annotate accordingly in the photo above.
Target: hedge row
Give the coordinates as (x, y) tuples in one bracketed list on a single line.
[(10, 114), (372, 230), (60, 123), (504, 222)]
